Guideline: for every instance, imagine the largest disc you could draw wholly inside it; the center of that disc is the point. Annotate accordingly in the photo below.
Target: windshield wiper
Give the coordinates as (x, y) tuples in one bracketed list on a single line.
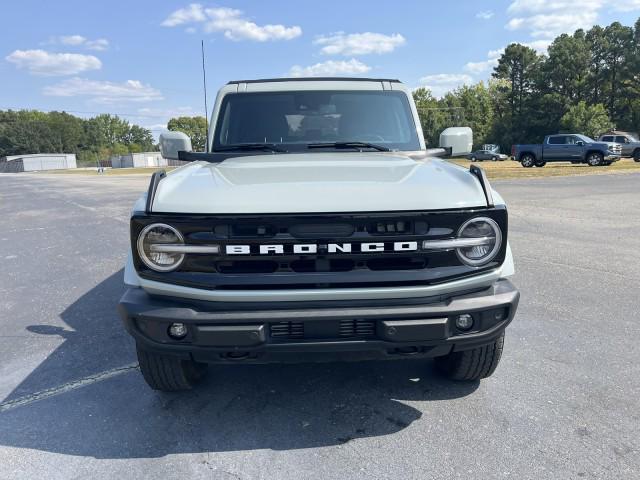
[(251, 146), (358, 145)]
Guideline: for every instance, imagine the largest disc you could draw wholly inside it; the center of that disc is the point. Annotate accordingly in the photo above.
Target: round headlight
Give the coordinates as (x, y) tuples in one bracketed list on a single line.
[(159, 234), (488, 240)]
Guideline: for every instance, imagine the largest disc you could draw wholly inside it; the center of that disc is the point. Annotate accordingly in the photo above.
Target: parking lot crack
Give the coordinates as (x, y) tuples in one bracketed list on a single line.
[(66, 387)]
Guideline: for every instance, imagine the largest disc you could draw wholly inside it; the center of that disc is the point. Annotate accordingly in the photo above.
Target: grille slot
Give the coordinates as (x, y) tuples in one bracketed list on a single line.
[(287, 330), (357, 328)]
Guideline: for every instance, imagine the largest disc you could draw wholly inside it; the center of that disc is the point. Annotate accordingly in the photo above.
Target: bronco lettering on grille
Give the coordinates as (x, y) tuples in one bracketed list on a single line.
[(313, 248)]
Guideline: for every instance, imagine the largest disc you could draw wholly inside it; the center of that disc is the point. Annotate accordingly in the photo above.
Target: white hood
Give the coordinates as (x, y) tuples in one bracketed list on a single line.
[(318, 182)]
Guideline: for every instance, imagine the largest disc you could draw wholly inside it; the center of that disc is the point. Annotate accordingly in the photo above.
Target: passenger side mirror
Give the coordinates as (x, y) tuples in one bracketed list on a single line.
[(580, 143), (173, 142)]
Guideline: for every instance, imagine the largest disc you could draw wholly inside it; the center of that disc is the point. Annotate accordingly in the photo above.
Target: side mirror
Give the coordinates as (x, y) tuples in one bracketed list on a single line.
[(173, 142), (580, 143), (458, 139)]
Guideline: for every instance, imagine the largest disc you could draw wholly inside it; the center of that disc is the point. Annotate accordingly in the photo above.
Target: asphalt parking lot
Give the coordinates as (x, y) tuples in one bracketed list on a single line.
[(562, 404)]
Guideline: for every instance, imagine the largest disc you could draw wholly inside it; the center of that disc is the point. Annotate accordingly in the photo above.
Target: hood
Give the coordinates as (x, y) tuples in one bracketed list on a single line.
[(318, 183)]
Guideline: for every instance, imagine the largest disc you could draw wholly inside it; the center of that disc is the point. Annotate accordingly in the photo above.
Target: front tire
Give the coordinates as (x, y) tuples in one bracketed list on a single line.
[(495, 159), (473, 159), (168, 373), (528, 160), (541, 163), (473, 364), (594, 159), (636, 155)]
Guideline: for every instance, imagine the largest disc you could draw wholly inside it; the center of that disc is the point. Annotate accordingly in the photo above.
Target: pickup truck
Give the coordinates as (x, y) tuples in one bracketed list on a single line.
[(567, 147), (318, 227), (630, 145)]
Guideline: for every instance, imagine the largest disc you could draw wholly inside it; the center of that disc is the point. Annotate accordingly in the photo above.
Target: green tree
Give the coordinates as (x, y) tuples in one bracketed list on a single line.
[(590, 120), (519, 65), (194, 127)]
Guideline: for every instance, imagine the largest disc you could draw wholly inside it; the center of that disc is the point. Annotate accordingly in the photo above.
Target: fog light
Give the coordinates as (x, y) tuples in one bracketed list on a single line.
[(178, 331), (464, 321)]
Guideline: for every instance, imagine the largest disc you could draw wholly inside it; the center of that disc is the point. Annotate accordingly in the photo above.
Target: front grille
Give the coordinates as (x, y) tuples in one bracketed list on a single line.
[(328, 267)]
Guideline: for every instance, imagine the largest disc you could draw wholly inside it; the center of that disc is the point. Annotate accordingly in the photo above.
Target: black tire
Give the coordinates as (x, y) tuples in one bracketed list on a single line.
[(636, 155), (167, 373), (528, 160), (595, 159), (473, 159), (472, 364), (541, 163), (495, 159)]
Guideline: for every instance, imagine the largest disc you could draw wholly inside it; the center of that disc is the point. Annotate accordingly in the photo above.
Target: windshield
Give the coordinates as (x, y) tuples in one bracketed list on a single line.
[(294, 120)]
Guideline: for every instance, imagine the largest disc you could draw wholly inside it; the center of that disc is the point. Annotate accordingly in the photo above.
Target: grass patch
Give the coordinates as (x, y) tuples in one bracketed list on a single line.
[(511, 169)]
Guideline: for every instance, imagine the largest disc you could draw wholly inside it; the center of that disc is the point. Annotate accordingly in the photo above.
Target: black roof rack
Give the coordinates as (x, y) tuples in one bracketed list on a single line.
[(315, 79)]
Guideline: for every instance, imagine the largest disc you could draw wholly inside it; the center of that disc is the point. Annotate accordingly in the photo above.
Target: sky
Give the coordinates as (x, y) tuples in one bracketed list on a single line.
[(141, 58)]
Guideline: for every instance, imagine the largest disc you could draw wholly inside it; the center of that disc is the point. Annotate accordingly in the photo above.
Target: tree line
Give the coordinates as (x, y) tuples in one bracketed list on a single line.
[(587, 82), (92, 139)]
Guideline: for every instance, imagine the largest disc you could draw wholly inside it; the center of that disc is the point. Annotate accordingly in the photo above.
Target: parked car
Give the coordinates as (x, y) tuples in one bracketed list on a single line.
[(571, 147), (289, 242), (480, 155), (629, 143)]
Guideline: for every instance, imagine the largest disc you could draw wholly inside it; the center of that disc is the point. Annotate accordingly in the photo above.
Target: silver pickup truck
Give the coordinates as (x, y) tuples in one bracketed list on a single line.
[(630, 145)]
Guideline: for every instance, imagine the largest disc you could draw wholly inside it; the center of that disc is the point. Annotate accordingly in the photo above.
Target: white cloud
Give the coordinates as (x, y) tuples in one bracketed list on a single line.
[(41, 62), (230, 21), (484, 65), (626, 5), (72, 39), (485, 15), (358, 43), (330, 68), (539, 45), (442, 83), (547, 19), (99, 44), (192, 13), (105, 92)]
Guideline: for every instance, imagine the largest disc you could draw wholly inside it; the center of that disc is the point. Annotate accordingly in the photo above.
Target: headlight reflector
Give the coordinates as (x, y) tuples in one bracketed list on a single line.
[(159, 234), (489, 238)]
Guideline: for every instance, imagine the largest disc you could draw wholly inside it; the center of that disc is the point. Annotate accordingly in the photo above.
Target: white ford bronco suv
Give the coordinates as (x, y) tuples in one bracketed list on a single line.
[(318, 227)]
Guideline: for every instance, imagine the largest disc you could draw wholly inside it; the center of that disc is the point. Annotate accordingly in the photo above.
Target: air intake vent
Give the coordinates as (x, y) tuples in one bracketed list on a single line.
[(357, 328), (287, 330)]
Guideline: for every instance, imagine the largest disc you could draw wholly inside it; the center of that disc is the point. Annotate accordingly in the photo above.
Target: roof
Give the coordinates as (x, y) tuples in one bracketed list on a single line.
[(37, 155), (315, 79)]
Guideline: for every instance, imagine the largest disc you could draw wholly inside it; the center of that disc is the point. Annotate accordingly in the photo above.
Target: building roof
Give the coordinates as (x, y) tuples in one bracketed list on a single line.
[(37, 155)]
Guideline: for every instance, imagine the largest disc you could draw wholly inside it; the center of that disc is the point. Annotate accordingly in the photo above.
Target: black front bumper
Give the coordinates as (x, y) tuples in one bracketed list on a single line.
[(321, 331)]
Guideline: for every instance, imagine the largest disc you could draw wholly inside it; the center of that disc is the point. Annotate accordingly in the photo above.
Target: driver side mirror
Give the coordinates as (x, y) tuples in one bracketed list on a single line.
[(580, 143), (173, 142)]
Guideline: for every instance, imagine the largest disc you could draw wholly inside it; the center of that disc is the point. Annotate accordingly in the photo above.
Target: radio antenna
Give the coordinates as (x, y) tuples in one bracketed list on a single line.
[(206, 109)]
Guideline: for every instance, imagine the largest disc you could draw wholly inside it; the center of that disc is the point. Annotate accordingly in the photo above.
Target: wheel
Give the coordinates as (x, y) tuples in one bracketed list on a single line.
[(472, 364), (494, 158), (167, 373), (636, 155), (528, 160), (594, 159), (473, 159), (541, 163)]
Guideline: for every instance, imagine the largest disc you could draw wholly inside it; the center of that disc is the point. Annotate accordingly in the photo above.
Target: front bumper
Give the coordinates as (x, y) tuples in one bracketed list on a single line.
[(612, 157), (322, 331)]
